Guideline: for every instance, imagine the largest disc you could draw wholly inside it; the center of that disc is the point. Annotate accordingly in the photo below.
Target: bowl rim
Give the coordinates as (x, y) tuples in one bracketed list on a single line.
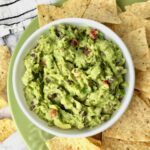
[(123, 106)]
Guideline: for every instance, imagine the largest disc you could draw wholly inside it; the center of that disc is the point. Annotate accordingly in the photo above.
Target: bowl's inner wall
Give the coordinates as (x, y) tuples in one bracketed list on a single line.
[(21, 69)]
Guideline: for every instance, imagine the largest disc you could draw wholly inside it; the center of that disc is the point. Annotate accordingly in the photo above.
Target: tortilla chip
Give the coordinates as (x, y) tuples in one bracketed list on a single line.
[(119, 10), (47, 13), (143, 65), (117, 144), (103, 11), (137, 43), (96, 142), (140, 9), (145, 96), (43, 16), (75, 8), (3, 102), (70, 8), (7, 127), (134, 125), (58, 143), (4, 61), (131, 22), (143, 81), (98, 136)]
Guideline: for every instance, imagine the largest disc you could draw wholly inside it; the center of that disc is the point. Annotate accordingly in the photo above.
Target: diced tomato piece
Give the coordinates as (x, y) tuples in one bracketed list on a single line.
[(106, 82), (74, 42), (93, 34)]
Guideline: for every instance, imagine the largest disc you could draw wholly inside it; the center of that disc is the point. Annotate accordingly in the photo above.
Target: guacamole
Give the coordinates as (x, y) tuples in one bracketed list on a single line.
[(74, 78)]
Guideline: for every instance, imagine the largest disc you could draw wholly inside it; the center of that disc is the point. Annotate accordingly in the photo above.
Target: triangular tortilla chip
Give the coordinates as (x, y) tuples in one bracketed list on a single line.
[(134, 125), (103, 11), (143, 81), (70, 8), (7, 127), (58, 143), (137, 43), (131, 22), (117, 144), (141, 9), (4, 61)]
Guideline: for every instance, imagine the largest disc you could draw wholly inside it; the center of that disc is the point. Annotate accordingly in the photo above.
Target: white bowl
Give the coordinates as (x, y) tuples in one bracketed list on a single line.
[(19, 69)]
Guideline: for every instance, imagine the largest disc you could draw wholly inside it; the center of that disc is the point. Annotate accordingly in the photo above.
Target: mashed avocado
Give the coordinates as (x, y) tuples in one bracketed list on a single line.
[(74, 77)]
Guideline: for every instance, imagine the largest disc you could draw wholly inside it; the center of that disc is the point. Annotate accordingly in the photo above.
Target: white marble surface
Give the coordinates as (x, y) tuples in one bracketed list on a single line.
[(14, 142)]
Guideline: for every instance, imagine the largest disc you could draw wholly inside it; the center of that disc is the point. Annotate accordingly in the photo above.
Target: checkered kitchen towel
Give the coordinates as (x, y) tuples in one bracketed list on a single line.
[(15, 15)]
